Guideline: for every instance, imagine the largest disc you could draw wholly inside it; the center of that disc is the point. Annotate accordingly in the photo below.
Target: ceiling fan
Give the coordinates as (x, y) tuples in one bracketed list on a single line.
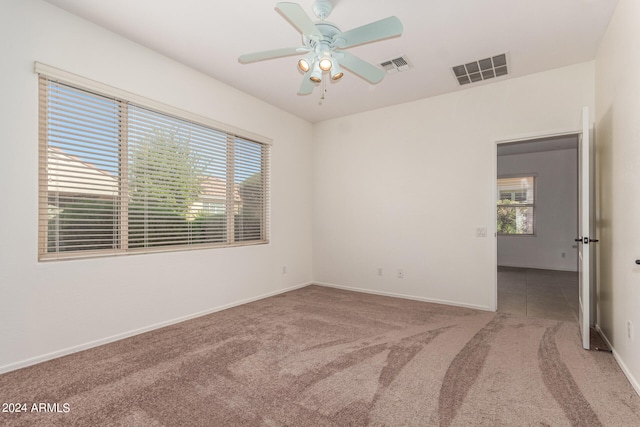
[(323, 44)]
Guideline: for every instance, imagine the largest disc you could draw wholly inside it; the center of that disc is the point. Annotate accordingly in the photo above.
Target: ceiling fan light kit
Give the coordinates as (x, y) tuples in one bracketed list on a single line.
[(324, 58), (336, 72), (316, 74), (306, 62), (324, 44)]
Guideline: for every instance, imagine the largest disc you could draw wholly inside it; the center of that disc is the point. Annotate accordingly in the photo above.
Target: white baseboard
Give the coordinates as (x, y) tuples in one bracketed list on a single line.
[(70, 350), (616, 356), (410, 297)]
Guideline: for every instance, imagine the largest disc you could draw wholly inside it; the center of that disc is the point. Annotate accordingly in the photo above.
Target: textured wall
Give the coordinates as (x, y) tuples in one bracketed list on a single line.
[(618, 185), (406, 187), (556, 212), (49, 308)]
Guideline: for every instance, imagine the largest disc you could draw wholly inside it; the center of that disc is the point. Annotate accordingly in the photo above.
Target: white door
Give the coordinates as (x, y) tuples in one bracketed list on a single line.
[(584, 229)]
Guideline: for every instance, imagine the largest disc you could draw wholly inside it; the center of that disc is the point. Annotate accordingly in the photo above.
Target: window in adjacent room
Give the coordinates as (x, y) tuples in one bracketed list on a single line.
[(516, 205), (117, 176)]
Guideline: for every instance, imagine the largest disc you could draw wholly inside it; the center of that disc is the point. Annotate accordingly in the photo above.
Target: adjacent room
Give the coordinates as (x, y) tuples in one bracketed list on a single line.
[(537, 225), (319, 213)]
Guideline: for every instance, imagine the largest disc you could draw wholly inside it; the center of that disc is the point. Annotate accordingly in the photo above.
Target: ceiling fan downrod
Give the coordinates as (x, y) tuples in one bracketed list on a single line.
[(322, 9)]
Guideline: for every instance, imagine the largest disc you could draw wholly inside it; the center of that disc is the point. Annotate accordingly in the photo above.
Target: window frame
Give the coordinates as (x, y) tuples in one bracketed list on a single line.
[(234, 135), (534, 179)]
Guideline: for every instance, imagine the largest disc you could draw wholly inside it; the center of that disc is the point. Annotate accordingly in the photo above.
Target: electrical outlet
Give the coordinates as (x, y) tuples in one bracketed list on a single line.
[(400, 273), (284, 269), (481, 232), (379, 271), (629, 329), (564, 254)]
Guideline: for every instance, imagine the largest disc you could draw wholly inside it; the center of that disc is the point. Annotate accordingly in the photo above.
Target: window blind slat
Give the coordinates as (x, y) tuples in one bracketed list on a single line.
[(116, 177)]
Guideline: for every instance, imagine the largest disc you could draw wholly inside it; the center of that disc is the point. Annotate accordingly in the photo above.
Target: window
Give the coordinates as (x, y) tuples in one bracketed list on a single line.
[(516, 205), (117, 177)]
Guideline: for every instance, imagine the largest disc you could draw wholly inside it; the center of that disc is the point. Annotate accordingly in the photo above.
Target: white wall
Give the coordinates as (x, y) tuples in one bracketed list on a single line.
[(407, 186), (556, 211), (49, 308), (618, 184)]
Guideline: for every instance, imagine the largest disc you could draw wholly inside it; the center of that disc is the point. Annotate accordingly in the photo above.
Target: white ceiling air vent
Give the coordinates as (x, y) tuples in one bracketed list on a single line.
[(397, 64), (482, 69)]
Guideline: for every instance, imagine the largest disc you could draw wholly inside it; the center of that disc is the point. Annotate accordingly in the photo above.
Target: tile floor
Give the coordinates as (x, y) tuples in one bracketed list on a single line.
[(546, 294)]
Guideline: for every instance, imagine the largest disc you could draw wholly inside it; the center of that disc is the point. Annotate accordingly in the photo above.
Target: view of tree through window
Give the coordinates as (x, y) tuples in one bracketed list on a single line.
[(121, 177), (516, 205)]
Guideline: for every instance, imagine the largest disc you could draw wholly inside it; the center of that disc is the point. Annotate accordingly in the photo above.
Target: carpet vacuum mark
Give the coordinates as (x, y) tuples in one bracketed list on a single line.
[(325, 357), (561, 384), (465, 370)]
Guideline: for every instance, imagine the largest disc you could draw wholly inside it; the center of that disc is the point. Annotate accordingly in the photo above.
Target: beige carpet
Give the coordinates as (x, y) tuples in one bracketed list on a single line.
[(326, 357)]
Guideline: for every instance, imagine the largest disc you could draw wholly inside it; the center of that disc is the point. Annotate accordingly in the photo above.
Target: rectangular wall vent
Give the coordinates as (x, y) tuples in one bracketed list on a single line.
[(483, 69), (397, 64)]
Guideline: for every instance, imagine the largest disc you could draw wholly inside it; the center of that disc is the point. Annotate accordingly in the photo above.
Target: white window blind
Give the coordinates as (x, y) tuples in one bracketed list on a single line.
[(119, 177), (516, 204)]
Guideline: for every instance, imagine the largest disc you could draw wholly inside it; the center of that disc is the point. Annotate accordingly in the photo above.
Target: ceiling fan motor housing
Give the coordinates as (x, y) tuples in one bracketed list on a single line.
[(324, 44), (328, 31)]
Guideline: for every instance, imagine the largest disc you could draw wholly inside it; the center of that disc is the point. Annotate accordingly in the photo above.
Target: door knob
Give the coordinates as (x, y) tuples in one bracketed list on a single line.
[(638, 261), (585, 240)]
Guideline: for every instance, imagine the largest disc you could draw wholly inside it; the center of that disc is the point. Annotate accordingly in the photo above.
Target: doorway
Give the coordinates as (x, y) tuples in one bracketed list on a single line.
[(537, 257)]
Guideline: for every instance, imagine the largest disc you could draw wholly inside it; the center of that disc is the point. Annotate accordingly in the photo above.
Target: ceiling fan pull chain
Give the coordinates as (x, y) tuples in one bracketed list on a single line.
[(323, 91)]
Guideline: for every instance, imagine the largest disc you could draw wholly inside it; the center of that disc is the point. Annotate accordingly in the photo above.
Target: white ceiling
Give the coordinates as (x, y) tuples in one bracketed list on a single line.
[(209, 35)]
